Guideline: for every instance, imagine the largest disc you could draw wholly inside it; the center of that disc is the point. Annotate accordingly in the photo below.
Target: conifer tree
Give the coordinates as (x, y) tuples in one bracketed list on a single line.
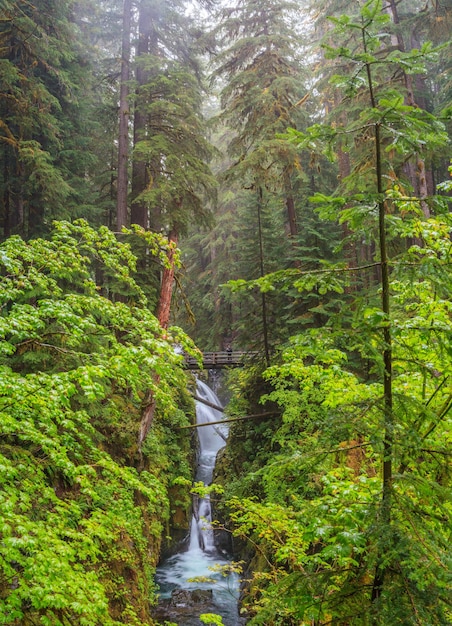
[(263, 95), (259, 73), (169, 175), (44, 146)]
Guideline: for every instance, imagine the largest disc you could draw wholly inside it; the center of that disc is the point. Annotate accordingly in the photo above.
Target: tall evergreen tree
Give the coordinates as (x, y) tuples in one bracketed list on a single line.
[(44, 134), (259, 64), (171, 181), (258, 70)]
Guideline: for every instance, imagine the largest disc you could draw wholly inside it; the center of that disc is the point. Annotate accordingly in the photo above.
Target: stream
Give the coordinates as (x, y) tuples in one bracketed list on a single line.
[(182, 600)]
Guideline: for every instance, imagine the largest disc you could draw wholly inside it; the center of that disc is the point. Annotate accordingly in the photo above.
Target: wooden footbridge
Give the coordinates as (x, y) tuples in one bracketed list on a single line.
[(220, 360)]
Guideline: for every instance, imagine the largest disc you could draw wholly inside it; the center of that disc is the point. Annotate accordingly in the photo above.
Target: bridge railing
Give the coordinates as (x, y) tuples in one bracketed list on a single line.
[(218, 360)]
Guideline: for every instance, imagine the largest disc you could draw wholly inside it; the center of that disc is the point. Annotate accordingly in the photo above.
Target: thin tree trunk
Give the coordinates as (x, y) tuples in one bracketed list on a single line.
[(147, 414), (343, 160), (19, 220), (292, 220), (380, 572), (291, 217), (6, 197), (262, 273), (293, 228), (124, 116), (387, 376)]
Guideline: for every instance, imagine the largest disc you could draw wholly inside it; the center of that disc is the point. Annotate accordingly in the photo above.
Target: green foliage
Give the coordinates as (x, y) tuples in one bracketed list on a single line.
[(318, 518), (202, 490), (81, 526), (177, 150), (258, 69), (46, 113), (338, 537), (211, 619)]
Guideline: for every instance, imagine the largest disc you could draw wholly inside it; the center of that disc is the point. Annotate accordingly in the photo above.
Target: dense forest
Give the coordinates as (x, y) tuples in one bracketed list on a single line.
[(177, 177)]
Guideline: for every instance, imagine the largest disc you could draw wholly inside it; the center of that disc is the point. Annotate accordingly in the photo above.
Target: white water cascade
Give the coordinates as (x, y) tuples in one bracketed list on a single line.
[(202, 559)]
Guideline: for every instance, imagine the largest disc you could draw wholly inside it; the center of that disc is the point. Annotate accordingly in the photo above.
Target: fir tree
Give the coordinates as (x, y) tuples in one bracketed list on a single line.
[(44, 153)]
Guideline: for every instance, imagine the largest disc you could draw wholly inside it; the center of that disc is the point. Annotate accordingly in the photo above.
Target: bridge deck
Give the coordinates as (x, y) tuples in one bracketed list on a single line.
[(220, 360)]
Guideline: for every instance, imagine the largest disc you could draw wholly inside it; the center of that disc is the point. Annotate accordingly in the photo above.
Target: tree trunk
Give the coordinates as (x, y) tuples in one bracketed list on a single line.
[(147, 414), (6, 197), (124, 115), (290, 204), (293, 229), (419, 180), (262, 273), (343, 160), (139, 211), (166, 288), (388, 421), (163, 315), (349, 248), (292, 219)]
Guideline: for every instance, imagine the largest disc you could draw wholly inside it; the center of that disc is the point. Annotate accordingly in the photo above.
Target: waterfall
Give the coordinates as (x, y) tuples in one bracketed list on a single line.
[(201, 556), (211, 440)]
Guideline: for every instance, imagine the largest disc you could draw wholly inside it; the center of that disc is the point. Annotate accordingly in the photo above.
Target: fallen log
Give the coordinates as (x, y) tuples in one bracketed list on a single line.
[(231, 419)]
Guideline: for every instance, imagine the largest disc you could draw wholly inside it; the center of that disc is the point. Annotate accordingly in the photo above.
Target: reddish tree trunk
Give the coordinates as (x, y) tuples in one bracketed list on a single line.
[(166, 288), (163, 314)]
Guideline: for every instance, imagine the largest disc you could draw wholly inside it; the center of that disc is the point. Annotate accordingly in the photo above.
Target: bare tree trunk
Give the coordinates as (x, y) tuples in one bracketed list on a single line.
[(124, 116), (422, 185), (166, 288), (6, 197), (343, 160), (388, 421), (290, 204), (163, 315)]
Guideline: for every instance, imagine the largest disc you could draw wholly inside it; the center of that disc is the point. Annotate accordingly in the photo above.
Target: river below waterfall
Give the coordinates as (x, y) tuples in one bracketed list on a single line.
[(182, 600)]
